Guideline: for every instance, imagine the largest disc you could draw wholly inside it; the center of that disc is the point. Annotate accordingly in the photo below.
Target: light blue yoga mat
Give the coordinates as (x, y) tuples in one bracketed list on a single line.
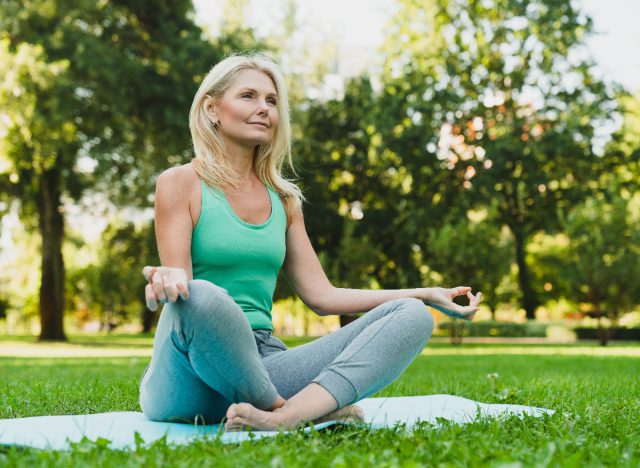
[(57, 432)]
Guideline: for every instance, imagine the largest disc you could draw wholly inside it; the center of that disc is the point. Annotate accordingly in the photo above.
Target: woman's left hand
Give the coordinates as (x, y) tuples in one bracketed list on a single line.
[(443, 298)]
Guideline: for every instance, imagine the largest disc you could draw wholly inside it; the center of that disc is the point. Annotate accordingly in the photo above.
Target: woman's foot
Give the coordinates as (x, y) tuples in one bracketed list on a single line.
[(351, 413), (244, 415)]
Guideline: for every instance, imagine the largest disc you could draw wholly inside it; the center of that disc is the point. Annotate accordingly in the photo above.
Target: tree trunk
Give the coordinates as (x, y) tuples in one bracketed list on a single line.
[(603, 333), (51, 224), (457, 332), (529, 300)]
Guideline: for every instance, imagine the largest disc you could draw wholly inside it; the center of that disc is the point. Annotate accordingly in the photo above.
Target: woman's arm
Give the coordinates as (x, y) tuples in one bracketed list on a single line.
[(173, 222), (309, 281), (174, 225)]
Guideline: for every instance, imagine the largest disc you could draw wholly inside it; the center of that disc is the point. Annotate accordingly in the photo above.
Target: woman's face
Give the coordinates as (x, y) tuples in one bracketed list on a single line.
[(247, 114)]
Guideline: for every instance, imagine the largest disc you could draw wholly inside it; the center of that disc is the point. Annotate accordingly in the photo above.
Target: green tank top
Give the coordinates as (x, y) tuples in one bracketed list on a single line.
[(240, 257)]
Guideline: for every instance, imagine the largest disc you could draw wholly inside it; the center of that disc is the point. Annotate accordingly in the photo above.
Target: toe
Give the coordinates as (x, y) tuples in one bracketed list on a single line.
[(235, 424), (231, 412)]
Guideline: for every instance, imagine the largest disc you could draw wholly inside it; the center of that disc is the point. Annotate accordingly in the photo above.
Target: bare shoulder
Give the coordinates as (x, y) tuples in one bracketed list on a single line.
[(180, 177), (178, 186)]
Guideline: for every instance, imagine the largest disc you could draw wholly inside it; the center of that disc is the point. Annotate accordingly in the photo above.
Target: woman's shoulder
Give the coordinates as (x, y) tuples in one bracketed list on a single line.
[(179, 178), (184, 172), (178, 182)]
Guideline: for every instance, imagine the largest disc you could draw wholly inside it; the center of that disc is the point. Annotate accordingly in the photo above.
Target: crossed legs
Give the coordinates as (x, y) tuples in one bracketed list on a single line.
[(206, 365), (339, 369)]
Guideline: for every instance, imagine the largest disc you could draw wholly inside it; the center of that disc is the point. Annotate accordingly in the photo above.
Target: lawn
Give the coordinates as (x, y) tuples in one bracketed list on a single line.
[(595, 392)]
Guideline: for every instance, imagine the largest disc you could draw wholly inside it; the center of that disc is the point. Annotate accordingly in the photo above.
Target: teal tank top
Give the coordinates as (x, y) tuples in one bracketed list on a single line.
[(240, 257)]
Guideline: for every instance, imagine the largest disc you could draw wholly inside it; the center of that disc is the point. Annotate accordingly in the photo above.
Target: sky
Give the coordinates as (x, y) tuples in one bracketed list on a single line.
[(358, 25)]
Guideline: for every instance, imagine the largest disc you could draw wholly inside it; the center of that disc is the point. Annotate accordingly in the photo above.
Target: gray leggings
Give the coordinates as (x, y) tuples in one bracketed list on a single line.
[(205, 357)]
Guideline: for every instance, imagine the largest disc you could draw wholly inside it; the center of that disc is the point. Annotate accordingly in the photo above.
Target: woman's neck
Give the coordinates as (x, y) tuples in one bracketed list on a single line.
[(241, 160)]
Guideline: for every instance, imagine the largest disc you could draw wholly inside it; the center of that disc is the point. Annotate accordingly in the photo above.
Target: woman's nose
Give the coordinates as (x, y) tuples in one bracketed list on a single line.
[(263, 107)]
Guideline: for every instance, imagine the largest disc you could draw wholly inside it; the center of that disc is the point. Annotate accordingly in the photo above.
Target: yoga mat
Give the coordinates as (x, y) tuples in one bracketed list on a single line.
[(122, 429)]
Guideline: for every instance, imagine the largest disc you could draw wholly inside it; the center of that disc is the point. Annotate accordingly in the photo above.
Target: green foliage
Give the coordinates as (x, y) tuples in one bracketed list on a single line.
[(482, 106), (113, 289), (627, 139), (4, 306), (489, 328), (472, 253), (20, 274), (96, 97), (549, 258), (352, 268), (501, 99), (356, 216), (604, 252), (112, 80), (34, 137)]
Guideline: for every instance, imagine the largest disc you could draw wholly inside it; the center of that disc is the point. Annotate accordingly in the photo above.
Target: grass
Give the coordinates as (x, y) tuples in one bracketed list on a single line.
[(595, 392)]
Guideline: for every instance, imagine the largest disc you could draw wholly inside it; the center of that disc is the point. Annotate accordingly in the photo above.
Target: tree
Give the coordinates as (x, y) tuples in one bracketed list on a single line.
[(34, 173), (603, 235), (472, 253), (114, 286), (4, 306), (514, 103), (604, 248), (96, 96)]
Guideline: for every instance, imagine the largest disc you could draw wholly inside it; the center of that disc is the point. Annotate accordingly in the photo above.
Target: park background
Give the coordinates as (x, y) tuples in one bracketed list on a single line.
[(487, 142), (446, 143)]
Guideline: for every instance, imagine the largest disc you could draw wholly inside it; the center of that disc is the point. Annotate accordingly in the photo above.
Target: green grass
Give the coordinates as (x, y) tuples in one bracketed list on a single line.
[(595, 392)]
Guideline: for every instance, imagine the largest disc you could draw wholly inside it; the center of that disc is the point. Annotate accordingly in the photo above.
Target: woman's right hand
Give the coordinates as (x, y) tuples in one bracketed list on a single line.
[(442, 300), (166, 284)]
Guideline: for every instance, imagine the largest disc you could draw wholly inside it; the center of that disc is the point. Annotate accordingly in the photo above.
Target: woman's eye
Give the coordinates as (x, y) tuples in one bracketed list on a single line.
[(272, 101), (247, 95)]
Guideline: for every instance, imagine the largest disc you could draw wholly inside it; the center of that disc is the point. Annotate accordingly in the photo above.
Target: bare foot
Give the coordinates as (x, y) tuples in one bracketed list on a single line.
[(351, 413), (241, 416)]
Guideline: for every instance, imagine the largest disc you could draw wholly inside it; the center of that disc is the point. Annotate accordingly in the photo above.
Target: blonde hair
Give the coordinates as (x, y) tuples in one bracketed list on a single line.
[(211, 160)]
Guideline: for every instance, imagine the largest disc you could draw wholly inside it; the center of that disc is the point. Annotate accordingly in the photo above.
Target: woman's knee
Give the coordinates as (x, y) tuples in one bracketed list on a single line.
[(417, 314), (203, 289), (206, 298)]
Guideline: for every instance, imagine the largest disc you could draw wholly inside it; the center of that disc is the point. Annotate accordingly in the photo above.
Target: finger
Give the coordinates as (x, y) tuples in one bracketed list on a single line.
[(478, 298), (148, 272), (158, 287), (471, 298), (474, 300), (150, 298), (183, 291), (472, 308), (171, 291), (467, 311), (460, 290)]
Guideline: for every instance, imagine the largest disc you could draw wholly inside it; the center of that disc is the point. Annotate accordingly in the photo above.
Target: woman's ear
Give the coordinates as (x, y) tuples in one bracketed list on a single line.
[(210, 109)]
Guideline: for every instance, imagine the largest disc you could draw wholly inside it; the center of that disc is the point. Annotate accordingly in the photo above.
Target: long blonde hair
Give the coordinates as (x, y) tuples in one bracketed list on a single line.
[(211, 160)]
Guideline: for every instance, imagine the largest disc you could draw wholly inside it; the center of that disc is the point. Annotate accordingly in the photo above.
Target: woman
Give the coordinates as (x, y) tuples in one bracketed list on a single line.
[(225, 224)]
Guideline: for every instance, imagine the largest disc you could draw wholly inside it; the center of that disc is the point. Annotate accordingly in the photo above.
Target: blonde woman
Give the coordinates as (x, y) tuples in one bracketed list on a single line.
[(225, 225)]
